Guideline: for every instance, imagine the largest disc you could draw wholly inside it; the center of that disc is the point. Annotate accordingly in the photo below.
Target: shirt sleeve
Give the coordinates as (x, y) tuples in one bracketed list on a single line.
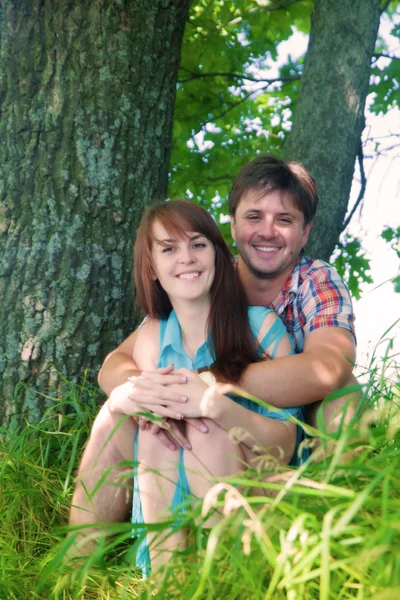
[(325, 301)]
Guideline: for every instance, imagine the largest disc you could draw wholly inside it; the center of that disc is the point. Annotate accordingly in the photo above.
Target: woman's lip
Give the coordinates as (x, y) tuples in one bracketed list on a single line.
[(188, 274)]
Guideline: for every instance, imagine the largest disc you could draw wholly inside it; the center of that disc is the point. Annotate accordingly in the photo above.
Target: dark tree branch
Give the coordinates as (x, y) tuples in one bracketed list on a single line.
[(280, 4), (385, 6), (231, 107), (360, 158), (194, 76), (385, 55)]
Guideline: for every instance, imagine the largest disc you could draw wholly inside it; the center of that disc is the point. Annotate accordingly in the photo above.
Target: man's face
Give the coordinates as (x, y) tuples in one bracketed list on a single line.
[(269, 233)]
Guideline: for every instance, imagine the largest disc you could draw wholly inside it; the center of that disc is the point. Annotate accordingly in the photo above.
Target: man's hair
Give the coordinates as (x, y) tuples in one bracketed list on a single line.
[(269, 174)]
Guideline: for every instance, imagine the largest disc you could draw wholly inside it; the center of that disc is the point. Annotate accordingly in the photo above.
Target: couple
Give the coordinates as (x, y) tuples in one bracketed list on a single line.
[(194, 296)]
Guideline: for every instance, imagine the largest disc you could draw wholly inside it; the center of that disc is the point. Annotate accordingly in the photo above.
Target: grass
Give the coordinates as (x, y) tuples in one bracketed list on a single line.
[(332, 530)]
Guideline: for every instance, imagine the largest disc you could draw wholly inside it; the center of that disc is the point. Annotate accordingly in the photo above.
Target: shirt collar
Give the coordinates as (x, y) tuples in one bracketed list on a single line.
[(173, 339), (290, 288), (172, 334)]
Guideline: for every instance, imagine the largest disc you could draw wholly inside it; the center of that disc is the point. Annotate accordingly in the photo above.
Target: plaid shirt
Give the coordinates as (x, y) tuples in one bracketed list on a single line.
[(313, 296)]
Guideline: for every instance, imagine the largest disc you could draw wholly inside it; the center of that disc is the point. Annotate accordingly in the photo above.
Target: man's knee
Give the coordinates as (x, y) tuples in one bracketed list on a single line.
[(340, 410)]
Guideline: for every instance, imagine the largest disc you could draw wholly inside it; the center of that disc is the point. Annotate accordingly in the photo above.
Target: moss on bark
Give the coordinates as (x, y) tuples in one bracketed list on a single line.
[(86, 101)]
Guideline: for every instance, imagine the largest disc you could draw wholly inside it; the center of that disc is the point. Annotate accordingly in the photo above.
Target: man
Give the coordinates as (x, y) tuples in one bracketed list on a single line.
[(272, 204)]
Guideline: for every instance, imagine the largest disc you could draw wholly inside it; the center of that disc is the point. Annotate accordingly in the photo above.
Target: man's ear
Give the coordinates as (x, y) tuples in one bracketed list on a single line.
[(306, 233), (233, 229)]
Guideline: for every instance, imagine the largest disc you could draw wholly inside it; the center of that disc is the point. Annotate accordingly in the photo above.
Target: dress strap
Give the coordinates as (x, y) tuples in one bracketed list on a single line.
[(273, 337)]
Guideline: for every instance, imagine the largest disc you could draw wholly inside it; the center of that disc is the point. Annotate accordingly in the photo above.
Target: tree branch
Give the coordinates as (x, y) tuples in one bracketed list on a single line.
[(385, 55), (385, 6), (279, 4), (194, 76), (360, 158)]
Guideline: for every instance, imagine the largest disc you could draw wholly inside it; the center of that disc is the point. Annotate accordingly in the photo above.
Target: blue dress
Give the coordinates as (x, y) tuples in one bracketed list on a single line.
[(172, 352)]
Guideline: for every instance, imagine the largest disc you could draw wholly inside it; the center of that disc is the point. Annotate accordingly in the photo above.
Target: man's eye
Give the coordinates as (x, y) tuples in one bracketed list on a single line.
[(253, 217), (285, 221)]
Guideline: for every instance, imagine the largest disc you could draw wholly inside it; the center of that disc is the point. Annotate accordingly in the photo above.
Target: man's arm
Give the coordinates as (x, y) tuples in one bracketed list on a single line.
[(325, 365)]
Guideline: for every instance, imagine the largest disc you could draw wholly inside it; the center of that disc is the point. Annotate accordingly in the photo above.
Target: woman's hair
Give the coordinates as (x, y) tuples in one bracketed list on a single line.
[(234, 343)]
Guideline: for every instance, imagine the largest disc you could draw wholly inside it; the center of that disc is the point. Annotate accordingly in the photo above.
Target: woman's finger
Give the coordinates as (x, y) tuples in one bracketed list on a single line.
[(176, 434), (198, 424), (155, 395), (159, 410), (165, 439), (163, 379)]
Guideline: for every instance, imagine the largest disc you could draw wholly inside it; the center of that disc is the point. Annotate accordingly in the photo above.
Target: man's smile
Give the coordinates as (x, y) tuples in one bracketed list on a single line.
[(267, 248)]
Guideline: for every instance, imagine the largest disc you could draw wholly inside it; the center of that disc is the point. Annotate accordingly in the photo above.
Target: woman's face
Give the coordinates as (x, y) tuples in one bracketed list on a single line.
[(184, 266)]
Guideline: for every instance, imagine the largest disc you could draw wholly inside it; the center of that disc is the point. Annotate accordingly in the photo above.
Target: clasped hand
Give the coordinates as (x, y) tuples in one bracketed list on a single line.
[(173, 395)]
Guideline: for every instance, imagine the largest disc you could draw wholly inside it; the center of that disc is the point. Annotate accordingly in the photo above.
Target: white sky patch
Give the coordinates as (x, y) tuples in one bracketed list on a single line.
[(379, 307), (224, 219), (199, 141)]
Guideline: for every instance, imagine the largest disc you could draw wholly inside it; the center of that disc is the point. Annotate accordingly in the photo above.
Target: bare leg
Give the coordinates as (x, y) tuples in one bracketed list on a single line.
[(220, 457), (157, 479), (112, 501)]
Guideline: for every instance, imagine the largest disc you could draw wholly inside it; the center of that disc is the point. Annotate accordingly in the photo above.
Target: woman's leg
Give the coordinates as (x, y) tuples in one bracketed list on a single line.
[(213, 456), (111, 502), (157, 480)]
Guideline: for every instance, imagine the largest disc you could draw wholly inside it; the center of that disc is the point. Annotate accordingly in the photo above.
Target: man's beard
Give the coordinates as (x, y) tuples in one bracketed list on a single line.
[(258, 274)]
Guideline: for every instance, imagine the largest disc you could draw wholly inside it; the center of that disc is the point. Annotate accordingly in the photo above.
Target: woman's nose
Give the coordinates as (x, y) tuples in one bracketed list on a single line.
[(186, 255)]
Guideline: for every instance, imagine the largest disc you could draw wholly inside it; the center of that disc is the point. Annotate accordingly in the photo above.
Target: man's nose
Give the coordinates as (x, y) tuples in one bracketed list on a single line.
[(267, 228)]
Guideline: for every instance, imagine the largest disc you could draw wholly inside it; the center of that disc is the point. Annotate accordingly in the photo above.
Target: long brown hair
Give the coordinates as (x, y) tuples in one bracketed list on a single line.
[(233, 341)]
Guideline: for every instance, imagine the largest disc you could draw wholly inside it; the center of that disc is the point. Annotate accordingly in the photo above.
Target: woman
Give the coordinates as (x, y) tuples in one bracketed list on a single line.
[(198, 317)]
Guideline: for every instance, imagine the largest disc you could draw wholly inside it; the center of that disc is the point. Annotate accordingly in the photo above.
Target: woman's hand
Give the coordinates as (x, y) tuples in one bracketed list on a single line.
[(152, 395), (120, 400)]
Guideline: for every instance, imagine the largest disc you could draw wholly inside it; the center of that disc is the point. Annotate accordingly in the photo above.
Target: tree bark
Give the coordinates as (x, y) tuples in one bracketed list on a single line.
[(329, 116), (86, 98)]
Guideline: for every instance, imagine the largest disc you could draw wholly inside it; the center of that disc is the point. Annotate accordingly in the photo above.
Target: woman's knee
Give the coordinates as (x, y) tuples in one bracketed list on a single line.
[(215, 436), (153, 454)]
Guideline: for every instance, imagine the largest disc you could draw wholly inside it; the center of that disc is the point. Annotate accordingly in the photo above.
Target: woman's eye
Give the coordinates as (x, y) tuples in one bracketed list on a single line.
[(199, 245), (167, 249)]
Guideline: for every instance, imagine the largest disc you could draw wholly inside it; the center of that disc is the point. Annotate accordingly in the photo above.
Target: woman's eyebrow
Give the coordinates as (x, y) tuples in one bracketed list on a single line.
[(196, 236), (164, 242)]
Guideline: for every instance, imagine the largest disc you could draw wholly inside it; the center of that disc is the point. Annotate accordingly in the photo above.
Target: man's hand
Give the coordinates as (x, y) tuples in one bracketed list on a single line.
[(173, 436)]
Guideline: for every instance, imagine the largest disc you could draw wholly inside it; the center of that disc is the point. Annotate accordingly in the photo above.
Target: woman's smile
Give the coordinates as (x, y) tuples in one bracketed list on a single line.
[(189, 258)]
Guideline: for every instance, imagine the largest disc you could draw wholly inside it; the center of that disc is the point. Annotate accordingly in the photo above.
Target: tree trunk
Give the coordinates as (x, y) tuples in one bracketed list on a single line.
[(86, 98), (329, 117)]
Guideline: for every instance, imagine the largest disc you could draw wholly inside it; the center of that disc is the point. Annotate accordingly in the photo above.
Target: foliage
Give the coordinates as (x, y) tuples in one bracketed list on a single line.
[(223, 96), (330, 531), (235, 99), (392, 237), (351, 264)]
